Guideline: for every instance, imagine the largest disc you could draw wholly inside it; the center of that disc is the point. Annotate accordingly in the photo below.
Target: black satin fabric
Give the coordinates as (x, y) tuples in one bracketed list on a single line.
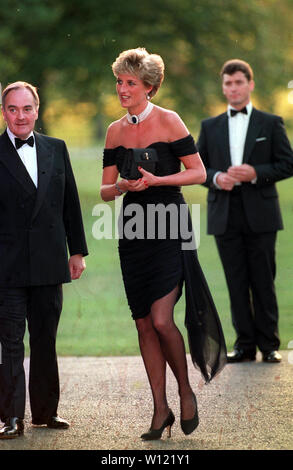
[(151, 268)]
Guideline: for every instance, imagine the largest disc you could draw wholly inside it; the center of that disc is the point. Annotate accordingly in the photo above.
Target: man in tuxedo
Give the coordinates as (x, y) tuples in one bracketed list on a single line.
[(246, 151), (40, 217)]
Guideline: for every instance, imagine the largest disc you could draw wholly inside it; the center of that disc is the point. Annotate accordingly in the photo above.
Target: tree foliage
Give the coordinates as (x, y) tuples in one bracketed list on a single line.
[(68, 46)]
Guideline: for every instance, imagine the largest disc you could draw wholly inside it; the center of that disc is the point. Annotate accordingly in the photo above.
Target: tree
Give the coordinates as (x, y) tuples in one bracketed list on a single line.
[(70, 45)]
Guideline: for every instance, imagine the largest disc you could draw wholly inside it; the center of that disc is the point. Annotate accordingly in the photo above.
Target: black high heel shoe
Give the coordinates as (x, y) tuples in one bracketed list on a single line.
[(189, 425), (154, 434)]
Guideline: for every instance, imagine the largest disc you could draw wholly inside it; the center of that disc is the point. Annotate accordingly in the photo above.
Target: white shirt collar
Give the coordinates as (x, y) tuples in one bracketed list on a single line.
[(248, 107), (12, 136)]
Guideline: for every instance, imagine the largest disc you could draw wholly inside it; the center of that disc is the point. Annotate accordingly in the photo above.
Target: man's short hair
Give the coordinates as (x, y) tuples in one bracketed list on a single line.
[(237, 65), (17, 86)]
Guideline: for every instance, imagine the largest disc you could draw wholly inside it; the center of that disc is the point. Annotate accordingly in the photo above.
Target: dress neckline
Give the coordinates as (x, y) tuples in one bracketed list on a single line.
[(154, 143)]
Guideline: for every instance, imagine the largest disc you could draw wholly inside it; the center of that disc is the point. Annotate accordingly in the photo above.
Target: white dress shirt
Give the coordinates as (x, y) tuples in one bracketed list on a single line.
[(237, 126), (28, 156)]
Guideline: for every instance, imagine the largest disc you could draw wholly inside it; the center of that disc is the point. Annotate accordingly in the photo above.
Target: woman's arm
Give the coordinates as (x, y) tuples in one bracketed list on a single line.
[(194, 172), (110, 187)]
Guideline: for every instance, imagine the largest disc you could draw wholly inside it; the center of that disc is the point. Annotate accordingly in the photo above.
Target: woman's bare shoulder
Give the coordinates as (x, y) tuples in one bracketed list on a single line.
[(172, 121), (114, 132)]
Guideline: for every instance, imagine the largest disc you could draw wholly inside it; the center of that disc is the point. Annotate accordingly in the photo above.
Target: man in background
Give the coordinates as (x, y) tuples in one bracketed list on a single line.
[(246, 151)]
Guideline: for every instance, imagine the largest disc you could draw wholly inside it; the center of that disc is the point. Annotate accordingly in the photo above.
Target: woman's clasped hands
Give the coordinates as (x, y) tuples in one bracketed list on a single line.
[(147, 179)]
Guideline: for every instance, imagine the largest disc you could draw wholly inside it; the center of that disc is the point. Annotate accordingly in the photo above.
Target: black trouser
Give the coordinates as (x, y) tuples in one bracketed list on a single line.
[(41, 306), (248, 260)]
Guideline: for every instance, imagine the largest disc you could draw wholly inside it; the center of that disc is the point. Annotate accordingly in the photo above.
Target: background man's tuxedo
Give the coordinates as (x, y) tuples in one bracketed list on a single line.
[(36, 226), (267, 149), (253, 211)]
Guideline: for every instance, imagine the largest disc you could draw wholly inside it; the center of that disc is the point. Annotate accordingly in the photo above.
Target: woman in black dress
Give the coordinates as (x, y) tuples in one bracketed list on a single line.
[(155, 260)]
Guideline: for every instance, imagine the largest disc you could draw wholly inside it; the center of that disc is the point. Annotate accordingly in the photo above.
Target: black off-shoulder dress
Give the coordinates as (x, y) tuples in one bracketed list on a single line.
[(156, 256)]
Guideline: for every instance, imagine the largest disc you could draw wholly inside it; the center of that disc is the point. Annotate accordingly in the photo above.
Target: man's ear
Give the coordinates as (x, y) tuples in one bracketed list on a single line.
[(3, 112)]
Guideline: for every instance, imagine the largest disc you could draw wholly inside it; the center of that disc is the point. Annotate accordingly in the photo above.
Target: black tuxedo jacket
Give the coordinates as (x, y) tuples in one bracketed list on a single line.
[(37, 225), (267, 149)]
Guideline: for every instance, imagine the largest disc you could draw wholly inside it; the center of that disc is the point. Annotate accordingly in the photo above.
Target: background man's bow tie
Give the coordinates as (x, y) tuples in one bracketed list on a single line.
[(235, 111), (19, 142)]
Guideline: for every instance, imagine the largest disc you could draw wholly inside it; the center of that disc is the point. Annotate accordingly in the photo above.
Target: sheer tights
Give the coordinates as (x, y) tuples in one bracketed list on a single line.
[(161, 342)]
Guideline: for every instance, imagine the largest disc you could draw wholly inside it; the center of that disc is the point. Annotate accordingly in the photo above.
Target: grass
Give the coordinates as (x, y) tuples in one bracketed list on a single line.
[(96, 319)]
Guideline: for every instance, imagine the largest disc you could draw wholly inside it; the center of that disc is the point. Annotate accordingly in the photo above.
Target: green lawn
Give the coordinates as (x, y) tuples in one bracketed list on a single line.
[(96, 319)]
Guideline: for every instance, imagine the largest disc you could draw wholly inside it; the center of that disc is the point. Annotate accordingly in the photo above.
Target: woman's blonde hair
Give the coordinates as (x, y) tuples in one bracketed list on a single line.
[(147, 67)]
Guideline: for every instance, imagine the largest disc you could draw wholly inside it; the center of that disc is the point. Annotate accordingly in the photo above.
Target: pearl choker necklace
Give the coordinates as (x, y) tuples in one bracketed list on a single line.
[(134, 119)]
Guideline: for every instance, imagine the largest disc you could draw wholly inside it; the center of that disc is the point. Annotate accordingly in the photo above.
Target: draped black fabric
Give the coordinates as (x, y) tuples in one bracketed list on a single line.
[(205, 335), (157, 257)]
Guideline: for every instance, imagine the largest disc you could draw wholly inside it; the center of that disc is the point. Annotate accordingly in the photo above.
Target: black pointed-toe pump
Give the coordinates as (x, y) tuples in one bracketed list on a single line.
[(189, 425), (154, 434)]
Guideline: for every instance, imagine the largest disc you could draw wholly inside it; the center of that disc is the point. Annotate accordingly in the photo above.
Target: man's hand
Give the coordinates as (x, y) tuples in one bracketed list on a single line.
[(76, 266), (226, 181), (242, 173)]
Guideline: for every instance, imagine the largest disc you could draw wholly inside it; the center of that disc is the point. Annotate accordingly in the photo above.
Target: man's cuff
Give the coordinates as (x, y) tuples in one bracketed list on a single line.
[(215, 178)]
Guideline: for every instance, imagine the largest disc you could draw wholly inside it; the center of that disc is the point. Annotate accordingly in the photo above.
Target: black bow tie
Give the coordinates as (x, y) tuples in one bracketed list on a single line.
[(233, 112), (19, 142)]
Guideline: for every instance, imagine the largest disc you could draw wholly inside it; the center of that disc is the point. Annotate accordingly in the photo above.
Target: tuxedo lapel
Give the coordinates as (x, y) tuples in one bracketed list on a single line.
[(223, 139), (253, 130), (10, 158), (45, 158)]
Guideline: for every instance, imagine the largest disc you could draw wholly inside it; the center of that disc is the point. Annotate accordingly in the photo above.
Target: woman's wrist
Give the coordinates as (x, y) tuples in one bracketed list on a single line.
[(118, 188), (158, 181)]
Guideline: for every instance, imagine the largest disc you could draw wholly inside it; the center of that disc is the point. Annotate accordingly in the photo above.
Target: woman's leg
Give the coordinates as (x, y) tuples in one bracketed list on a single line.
[(161, 341), (173, 348), (155, 365)]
